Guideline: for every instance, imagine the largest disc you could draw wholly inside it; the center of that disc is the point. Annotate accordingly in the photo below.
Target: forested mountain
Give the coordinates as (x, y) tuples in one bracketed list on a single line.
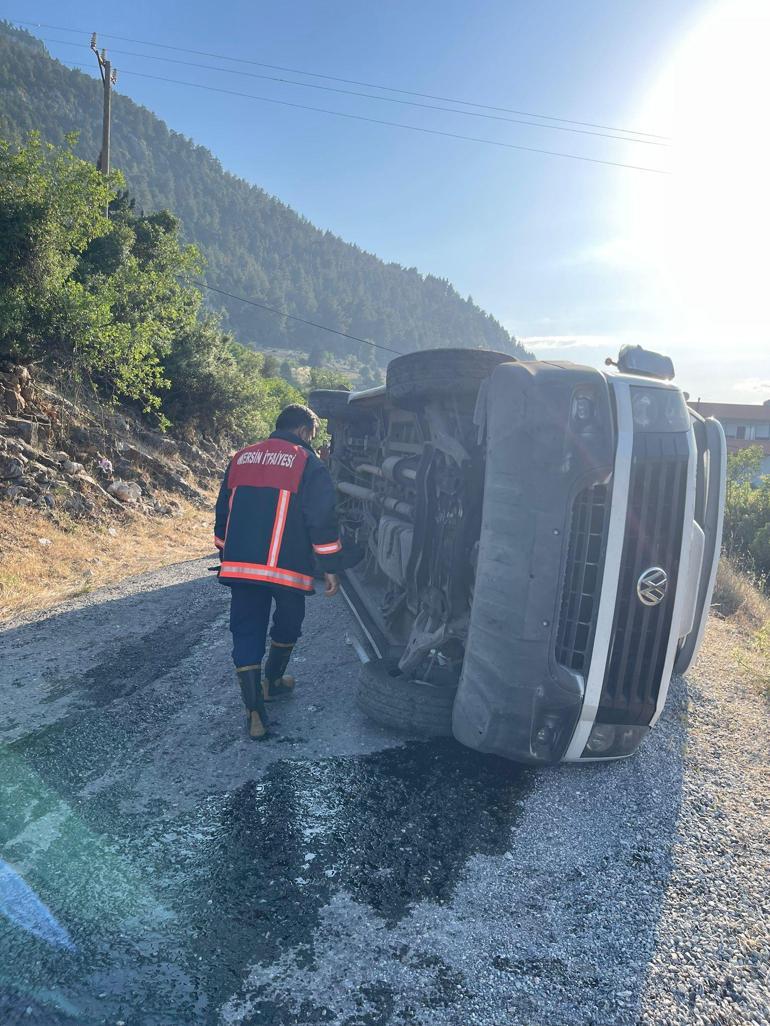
[(254, 245)]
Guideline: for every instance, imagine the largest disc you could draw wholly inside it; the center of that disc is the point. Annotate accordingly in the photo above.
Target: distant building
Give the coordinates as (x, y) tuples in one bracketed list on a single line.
[(744, 425)]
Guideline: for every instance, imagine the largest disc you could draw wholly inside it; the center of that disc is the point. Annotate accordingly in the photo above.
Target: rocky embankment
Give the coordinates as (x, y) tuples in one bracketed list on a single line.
[(81, 458)]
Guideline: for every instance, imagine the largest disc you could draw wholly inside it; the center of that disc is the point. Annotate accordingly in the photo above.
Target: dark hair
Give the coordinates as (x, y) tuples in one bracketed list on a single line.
[(296, 416)]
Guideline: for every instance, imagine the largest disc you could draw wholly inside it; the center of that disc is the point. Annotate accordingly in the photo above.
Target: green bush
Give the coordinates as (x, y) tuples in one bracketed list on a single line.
[(108, 300), (747, 513), (101, 296), (760, 548)]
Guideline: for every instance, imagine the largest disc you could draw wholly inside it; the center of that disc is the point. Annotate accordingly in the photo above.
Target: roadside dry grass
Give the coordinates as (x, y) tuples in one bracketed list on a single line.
[(759, 655), (752, 653), (737, 592), (83, 555), (739, 601)]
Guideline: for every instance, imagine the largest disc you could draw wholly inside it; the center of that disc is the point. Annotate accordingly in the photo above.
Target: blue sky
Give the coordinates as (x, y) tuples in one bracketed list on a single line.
[(547, 244)]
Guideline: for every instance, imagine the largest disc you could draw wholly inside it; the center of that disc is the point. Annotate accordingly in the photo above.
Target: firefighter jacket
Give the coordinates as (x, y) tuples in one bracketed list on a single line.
[(275, 512)]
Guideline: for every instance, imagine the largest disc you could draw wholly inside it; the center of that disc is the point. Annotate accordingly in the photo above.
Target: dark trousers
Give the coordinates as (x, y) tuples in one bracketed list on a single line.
[(250, 606)]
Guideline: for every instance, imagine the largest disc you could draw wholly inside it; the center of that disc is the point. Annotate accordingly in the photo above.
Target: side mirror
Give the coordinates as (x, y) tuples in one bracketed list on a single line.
[(645, 363)]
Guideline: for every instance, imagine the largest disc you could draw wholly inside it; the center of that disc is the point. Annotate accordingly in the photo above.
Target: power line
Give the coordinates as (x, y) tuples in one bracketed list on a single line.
[(390, 124), (370, 96), (292, 317), (352, 81)]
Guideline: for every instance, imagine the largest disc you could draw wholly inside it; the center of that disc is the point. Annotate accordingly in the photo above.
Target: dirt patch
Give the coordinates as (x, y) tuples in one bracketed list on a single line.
[(45, 559)]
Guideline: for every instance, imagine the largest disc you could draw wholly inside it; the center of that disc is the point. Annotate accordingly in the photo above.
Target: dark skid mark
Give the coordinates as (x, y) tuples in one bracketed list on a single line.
[(392, 829), (412, 817), (245, 877), (99, 729), (138, 662), (78, 749)]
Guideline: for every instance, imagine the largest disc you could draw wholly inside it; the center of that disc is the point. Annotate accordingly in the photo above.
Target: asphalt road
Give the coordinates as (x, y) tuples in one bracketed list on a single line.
[(160, 868)]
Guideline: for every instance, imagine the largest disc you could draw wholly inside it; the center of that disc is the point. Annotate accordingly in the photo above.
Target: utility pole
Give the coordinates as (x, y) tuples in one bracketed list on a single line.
[(109, 78)]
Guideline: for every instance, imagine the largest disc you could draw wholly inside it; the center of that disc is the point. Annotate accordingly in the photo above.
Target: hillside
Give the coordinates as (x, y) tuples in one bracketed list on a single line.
[(254, 245), (90, 493)]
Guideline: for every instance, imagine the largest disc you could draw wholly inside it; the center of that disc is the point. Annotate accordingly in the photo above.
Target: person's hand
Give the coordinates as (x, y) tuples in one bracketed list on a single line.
[(332, 585)]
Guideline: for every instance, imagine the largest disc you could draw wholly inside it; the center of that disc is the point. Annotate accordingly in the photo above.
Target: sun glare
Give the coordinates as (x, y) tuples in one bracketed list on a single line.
[(704, 229)]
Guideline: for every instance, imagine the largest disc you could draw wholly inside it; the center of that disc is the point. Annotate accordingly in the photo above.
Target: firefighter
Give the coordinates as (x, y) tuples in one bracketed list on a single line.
[(274, 515)]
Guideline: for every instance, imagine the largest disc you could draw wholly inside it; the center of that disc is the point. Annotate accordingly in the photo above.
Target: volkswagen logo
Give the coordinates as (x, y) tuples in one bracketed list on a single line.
[(652, 586)]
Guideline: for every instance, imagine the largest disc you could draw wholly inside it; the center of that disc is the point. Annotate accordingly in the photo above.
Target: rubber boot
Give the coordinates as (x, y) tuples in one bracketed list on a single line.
[(250, 680), (276, 684)]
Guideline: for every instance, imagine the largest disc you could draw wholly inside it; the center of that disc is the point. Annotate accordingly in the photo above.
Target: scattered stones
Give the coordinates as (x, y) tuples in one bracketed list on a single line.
[(11, 467), (81, 436), (77, 506), (13, 492), (120, 425), (29, 430), (125, 491), (132, 465), (167, 509), (711, 962), (13, 401)]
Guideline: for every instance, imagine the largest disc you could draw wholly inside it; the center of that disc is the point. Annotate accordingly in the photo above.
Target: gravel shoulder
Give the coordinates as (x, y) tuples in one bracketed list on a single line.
[(341, 874), (711, 964)]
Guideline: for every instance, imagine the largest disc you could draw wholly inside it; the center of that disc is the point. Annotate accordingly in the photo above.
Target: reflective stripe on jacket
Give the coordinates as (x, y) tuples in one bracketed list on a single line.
[(276, 509)]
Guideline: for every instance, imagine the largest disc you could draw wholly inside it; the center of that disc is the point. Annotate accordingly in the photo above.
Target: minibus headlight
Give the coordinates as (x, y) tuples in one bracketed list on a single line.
[(611, 740), (659, 409)]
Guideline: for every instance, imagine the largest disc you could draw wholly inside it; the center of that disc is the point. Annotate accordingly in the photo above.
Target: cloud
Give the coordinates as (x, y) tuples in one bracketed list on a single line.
[(758, 385)]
